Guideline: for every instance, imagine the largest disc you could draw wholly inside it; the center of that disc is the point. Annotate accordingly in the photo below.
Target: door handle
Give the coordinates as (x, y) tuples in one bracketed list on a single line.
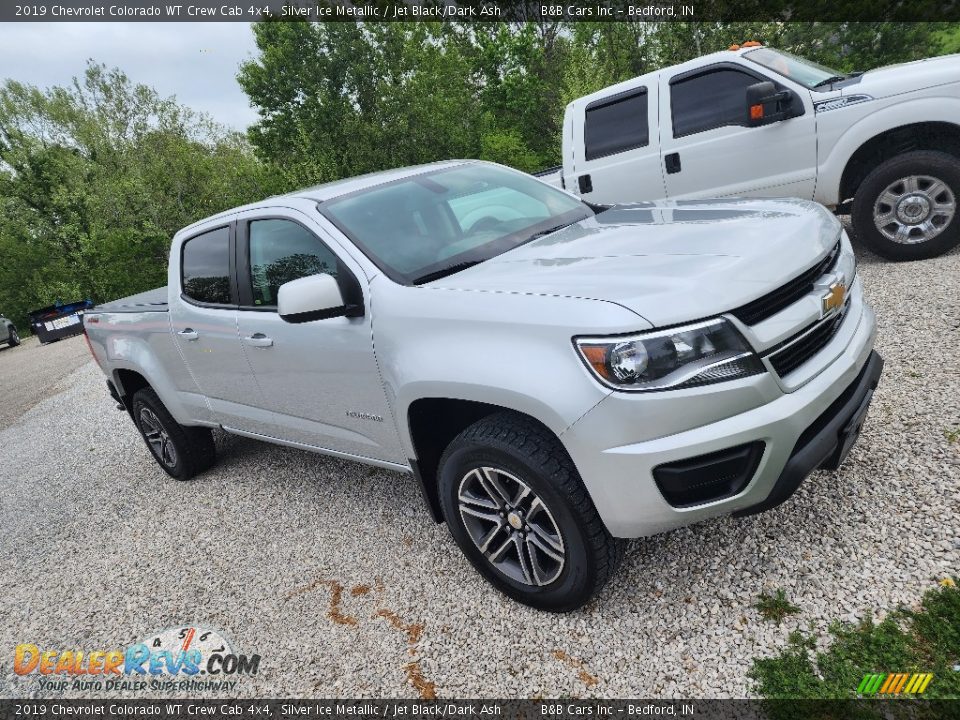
[(585, 183), (672, 163), (259, 340), (189, 334)]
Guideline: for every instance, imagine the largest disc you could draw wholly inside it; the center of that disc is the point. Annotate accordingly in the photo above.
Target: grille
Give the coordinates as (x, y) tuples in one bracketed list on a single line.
[(803, 346), (773, 302)]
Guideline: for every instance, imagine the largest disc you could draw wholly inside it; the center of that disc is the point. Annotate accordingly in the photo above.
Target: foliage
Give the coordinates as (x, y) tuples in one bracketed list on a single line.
[(339, 99), (775, 607), (95, 178), (923, 641)]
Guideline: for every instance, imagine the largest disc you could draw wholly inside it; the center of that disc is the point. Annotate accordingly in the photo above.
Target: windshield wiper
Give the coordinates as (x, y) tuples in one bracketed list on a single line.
[(444, 271), (548, 231), (830, 80)]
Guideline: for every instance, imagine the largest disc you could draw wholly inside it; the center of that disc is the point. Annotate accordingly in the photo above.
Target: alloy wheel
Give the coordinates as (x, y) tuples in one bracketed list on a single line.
[(157, 438), (511, 526), (914, 209)]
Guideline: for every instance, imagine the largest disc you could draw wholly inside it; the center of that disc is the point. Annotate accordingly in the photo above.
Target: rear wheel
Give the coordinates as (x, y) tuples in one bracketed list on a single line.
[(181, 451), (14, 339), (906, 209), (519, 511)]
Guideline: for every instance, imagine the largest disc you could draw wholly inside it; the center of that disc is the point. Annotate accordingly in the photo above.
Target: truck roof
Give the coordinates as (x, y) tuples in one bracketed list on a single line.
[(700, 61), (330, 190), (336, 188)]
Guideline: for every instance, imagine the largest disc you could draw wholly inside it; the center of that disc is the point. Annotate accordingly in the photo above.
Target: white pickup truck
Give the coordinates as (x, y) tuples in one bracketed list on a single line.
[(758, 122), (557, 375)]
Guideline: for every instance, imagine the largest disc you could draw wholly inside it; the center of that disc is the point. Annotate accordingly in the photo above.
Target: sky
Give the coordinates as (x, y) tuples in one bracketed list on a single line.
[(196, 62)]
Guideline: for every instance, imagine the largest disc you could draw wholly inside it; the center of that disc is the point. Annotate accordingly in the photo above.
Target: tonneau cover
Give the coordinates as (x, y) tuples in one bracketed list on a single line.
[(149, 301)]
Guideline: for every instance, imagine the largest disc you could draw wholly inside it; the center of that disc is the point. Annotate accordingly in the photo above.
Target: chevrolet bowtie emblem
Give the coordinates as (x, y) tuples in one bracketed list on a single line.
[(833, 300)]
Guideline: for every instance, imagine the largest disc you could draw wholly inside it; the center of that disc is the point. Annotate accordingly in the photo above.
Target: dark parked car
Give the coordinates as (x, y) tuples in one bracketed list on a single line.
[(8, 332), (59, 320)]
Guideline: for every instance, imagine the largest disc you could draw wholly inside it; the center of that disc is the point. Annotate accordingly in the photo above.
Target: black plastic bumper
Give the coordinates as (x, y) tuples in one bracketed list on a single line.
[(829, 438)]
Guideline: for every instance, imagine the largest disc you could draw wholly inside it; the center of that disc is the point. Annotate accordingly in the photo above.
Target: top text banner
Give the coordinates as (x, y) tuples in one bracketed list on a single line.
[(478, 11)]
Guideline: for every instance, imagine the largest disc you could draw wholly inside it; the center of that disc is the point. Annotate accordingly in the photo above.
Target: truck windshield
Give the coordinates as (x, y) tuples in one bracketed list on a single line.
[(426, 226), (806, 72)]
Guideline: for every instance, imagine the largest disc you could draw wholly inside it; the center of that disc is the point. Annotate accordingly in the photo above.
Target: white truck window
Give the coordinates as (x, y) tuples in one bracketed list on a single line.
[(616, 124), (205, 269), (709, 100), (281, 251)]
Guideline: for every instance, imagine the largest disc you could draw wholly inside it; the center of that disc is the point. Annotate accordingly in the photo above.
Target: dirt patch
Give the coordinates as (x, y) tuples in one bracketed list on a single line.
[(413, 631), (578, 665), (334, 612)]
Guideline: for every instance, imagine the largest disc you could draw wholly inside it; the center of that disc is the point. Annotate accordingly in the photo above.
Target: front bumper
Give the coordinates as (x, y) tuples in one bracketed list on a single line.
[(827, 441), (800, 431)]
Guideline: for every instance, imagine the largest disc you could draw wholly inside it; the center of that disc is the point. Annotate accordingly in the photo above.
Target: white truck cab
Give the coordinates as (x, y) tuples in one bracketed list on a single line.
[(758, 122)]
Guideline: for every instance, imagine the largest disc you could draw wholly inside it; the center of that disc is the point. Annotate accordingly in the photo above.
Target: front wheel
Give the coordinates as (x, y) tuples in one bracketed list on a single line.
[(519, 511), (14, 338), (181, 451), (906, 209)]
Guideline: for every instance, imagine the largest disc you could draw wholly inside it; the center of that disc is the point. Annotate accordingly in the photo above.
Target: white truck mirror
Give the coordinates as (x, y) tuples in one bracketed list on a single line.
[(316, 297)]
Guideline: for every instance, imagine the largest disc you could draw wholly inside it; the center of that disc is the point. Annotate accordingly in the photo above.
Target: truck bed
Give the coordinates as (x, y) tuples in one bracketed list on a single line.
[(149, 301)]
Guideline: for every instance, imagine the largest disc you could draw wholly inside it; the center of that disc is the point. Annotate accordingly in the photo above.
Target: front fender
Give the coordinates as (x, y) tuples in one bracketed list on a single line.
[(875, 120), (510, 350)]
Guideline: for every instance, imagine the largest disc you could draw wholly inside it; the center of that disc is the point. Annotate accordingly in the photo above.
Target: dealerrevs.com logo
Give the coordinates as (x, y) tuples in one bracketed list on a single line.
[(894, 683), (180, 658)]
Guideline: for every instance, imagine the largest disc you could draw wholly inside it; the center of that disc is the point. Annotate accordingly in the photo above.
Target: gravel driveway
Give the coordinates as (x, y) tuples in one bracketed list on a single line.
[(333, 574), (31, 372)]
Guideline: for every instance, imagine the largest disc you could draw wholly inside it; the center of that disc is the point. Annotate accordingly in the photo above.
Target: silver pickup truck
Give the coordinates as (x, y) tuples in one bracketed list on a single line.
[(557, 375)]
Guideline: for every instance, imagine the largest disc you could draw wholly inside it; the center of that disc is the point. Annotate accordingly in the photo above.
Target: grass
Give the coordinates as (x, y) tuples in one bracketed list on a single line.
[(775, 607), (952, 434), (926, 640)]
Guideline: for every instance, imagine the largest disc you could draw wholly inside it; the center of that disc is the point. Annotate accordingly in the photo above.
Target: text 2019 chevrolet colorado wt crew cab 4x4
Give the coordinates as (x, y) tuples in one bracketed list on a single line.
[(758, 122), (557, 375)]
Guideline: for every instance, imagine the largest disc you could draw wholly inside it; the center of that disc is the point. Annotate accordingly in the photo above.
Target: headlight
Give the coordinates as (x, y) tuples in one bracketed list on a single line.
[(706, 352), (847, 263)]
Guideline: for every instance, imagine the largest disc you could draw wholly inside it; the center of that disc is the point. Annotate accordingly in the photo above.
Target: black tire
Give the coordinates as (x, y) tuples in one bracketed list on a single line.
[(526, 451), (193, 448), (14, 337), (920, 163)]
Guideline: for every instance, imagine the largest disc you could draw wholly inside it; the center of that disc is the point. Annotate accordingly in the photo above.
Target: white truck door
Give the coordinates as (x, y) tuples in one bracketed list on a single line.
[(707, 149), (320, 381), (616, 154)]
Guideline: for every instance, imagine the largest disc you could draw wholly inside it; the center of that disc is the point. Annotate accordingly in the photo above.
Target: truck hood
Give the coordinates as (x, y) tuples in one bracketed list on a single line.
[(907, 77), (669, 262)]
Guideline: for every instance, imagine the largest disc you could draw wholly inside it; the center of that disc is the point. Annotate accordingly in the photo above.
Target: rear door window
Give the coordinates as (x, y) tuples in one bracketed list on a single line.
[(616, 124), (205, 267)]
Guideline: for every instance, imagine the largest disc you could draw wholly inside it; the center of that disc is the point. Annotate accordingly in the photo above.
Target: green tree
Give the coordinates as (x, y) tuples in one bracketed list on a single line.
[(340, 99), (96, 177)]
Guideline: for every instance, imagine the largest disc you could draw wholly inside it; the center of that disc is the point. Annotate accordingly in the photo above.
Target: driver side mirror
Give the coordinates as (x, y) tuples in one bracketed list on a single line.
[(765, 104), (315, 297)]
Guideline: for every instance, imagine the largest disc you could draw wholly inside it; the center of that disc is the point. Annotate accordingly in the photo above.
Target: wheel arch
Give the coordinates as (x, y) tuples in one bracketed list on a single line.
[(128, 377), (433, 423), (127, 382), (936, 135)]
